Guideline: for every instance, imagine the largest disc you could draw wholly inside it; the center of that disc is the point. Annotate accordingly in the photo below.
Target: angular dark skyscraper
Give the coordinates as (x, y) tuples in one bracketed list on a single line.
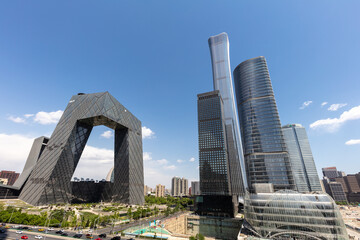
[(50, 179), (266, 157), (219, 49)]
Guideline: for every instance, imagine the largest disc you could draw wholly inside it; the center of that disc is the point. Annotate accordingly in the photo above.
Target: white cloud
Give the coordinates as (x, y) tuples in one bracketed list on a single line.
[(162, 161), (94, 163), (147, 156), (192, 159), (14, 150), (154, 176), (179, 161), (171, 167), (323, 104), (305, 104), (353, 142), (17, 119), (107, 134), (29, 115), (147, 133), (332, 124), (336, 106), (48, 117)]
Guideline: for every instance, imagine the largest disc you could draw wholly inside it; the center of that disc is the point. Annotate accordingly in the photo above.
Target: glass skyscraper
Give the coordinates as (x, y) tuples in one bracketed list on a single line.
[(219, 50), (213, 153), (301, 158), (266, 157)]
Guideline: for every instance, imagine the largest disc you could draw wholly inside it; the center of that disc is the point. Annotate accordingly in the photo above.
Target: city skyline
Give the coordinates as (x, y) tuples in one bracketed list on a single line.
[(312, 60)]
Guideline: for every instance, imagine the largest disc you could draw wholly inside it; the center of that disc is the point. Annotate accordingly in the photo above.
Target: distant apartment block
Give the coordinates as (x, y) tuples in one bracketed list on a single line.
[(160, 191), (12, 176), (147, 190), (179, 187), (195, 188)]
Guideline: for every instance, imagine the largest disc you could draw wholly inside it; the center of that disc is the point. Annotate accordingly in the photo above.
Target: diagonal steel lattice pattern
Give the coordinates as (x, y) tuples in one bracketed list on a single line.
[(50, 180)]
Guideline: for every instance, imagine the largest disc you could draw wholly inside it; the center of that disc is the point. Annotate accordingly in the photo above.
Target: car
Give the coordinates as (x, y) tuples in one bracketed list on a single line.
[(41, 229), (89, 235), (50, 229), (103, 235), (2, 230), (78, 235), (116, 238), (64, 234), (7, 227), (59, 232), (24, 237), (18, 232), (131, 239), (25, 228), (98, 239), (38, 237)]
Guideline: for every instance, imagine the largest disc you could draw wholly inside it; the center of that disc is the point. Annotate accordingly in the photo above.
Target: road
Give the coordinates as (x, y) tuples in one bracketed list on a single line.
[(144, 222), (12, 235)]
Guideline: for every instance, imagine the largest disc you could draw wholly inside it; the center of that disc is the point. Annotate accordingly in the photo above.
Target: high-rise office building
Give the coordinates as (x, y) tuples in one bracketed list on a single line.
[(334, 189), (160, 190), (213, 154), (266, 157), (330, 172), (302, 162), (219, 50)]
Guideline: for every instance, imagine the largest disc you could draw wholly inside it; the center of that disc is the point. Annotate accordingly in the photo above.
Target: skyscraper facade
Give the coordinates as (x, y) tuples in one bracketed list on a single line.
[(266, 157), (219, 50), (213, 153), (330, 172), (302, 162)]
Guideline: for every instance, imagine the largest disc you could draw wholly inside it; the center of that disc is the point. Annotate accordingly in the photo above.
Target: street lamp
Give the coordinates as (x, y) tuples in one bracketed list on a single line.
[(11, 215)]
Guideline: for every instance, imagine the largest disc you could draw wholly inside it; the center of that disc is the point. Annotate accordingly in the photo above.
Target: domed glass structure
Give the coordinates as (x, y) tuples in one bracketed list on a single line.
[(288, 214)]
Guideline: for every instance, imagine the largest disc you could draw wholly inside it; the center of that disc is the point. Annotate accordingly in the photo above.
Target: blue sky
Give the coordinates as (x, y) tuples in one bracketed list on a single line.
[(153, 57)]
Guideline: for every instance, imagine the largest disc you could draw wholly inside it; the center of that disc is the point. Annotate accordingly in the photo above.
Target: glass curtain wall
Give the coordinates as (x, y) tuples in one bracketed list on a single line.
[(219, 50), (265, 152), (288, 214), (301, 158)]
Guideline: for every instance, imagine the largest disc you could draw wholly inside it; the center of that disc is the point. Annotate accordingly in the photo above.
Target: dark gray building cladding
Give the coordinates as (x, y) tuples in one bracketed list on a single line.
[(213, 153), (217, 182), (50, 179), (36, 150)]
